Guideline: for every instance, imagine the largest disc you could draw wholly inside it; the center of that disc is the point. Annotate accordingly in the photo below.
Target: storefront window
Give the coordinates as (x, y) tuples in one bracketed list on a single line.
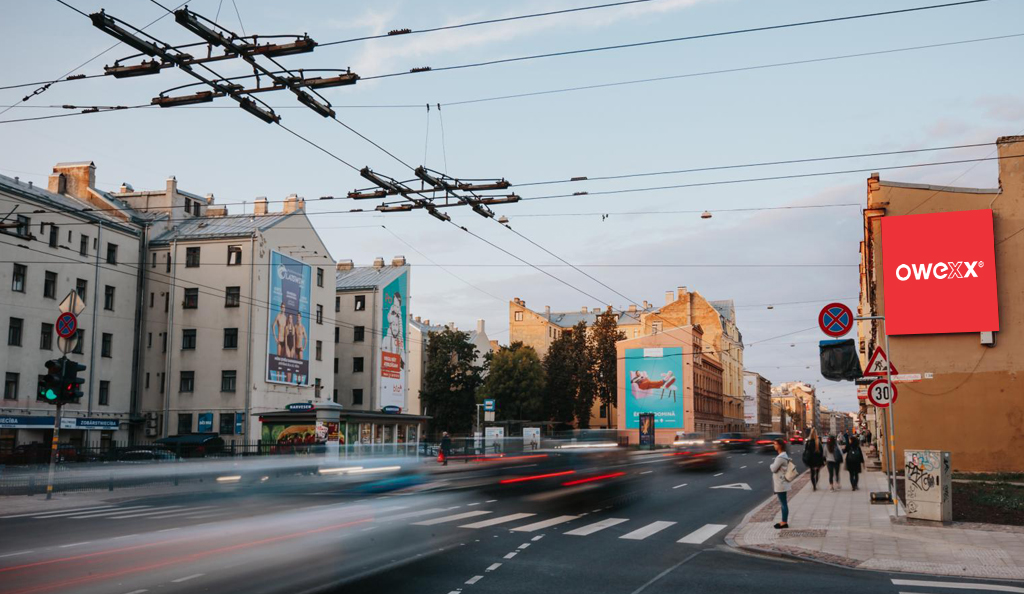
[(413, 435), (401, 434), (378, 434), (365, 432), (389, 434)]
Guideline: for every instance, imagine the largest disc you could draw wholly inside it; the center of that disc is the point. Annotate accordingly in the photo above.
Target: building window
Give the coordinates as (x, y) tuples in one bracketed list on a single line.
[(11, 386), (232, 296), (149, 340), (360, 302), (83, 245), (106, 345), (655, 327), (227, 380), (46, 337), (191, 257), (319, 314), (111, 253), (50, 285), (24, 226), (54, 237), (104, 393), (319, 277), (184, 423), (167, 301), (337, 304), (187, 382), (188, 339), (18, 279), (319, 350), (358, 334), (81, 287), (191, 299), (147, 380), (335, 365), (163, 338), (234, 255), (357, 364), (162, 377), (152, 260), (14, 332), (151, 297), (337, 334), (519, 316), (357, 396), (167, 262), (79, 342), (108, 298), (335, 395), (231, 338), (227, 423)]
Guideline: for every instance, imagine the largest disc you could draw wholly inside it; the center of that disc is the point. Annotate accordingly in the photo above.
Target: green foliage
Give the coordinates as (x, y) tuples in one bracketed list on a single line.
[(515, 378), (603, 337), (560, 376), (450, 382)]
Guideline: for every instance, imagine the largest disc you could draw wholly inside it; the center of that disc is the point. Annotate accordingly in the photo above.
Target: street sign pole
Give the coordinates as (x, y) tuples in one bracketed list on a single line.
[(890, 426), (56, 438)]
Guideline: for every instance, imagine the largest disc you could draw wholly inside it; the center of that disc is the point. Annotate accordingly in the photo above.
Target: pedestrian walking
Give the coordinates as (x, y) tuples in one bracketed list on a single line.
[(814, 457), (783, 474), (446, 448), (834, 459), (854, 459)]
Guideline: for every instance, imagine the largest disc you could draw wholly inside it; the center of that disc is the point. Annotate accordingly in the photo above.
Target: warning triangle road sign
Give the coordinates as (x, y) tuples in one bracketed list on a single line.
[(879, 364)]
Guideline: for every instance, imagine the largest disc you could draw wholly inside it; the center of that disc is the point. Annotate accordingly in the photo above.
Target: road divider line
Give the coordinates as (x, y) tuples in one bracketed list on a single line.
[(138, 591), (678, 486), (544, 524), (188, 577), (720, 474), (957, 585), (56, 512), (538, 537), (647, 472), (451, 518), (523, 546), (15, 554), (496, 521), (596, 526), (493, 566), (202, 509), (648, 530), (510, 555), (701, 534), (474, 579), (76, 544), (113, 512), (146, 513), (742, 467)]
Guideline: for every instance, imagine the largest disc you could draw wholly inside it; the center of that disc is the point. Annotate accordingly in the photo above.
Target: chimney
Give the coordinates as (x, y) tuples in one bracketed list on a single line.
[(669, 297), (646, 305), (125, 188), (343, 265), (259, 208), (547, 310), (58, 183), (398, 261), (632, 309), (209, 199), (681, 291), (596, 310), (479, 326), (378, 263), (217, 211), (78, 178), (584, 309), (291, 204), (426, 322), (417, 318), (172, 185)]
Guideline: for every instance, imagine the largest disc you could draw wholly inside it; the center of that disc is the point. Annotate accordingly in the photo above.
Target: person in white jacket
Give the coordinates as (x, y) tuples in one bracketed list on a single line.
[(778, 467)]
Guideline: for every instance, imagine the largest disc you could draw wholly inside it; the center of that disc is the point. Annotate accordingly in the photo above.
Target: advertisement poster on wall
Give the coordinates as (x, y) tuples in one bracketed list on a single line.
[(393, 359), (646, 430), (288, 321), (655, 386)]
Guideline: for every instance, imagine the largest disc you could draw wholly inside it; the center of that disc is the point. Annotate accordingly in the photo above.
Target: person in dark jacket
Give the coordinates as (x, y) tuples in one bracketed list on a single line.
[(446, 447), (854, 459), (834, 459), (814, 457)]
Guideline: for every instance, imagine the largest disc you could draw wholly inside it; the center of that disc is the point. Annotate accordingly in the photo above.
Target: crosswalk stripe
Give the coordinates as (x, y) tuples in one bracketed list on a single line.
[(642, 533), (596, 526), (56, 513), (958, 585), (413, 514), (544, 524), (107, 512), (701, 534), (146, 512), (169, 513), (451, 518), (495, 521)]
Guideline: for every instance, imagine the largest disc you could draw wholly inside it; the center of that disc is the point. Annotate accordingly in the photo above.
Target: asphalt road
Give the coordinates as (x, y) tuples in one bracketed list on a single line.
[(663, 533)]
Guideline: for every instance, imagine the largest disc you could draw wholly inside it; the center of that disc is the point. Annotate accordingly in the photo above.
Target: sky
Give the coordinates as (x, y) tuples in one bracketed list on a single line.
[(798, 253)]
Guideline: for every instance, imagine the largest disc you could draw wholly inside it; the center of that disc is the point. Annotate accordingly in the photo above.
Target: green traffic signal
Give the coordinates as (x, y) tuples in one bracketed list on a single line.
[(50, 383)]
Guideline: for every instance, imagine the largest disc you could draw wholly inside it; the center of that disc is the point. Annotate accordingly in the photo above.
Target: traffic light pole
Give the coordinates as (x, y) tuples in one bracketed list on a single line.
[(53, 452)]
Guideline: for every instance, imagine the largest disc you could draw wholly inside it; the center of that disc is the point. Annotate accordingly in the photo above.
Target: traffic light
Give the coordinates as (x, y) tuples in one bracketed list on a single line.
[(50, 384), (71, 384)]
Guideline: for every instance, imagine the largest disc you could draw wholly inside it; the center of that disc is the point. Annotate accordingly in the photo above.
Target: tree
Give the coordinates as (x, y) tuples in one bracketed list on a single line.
[(559, 371), (604, 356), (583, 368), (515, 378), (450, 381)]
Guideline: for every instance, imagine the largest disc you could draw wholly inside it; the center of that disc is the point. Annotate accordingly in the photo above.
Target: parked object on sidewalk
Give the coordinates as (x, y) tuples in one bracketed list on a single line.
[(928, 485), (782, 469), (814, 457)]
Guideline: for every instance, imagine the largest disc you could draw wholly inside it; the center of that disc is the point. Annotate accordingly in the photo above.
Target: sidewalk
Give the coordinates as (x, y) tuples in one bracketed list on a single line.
[(24, 504), (843, 528)]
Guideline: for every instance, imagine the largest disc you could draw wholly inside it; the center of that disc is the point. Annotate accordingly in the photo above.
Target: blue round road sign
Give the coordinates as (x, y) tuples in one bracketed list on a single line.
[(67, 325), (835, 319)]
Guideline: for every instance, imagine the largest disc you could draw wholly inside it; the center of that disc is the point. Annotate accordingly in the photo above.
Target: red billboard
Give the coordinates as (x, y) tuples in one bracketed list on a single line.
[(939, 271)]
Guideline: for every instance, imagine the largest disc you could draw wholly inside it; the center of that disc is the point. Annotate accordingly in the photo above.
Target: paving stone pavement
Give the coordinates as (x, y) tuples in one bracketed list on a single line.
[(844, 528)]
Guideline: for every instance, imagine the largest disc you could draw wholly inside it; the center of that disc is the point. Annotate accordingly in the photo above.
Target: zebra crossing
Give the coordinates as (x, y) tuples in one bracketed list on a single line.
[(122, 512), (638, 531)]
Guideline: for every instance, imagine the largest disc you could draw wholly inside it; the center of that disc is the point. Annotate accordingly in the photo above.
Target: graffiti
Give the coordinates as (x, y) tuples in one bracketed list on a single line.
[(919, 477), (945, 493), (912, 507)]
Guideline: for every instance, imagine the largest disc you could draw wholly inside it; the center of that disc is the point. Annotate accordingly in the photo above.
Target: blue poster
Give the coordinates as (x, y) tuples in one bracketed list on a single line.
[(655, 386), (288, 321), (205, 422), (239, 423)]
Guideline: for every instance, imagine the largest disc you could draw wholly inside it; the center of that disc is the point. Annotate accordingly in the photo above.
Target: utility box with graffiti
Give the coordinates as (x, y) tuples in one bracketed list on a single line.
[(929, 487)]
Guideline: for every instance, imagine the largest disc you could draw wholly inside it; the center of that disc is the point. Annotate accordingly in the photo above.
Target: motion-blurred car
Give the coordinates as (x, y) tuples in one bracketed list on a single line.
[(797, 439), (734, 441), (693, 451), (141, 456), (766, 443)]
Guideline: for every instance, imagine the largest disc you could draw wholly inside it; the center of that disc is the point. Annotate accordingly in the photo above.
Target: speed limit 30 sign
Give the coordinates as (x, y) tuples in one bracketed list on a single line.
[(881, 393)]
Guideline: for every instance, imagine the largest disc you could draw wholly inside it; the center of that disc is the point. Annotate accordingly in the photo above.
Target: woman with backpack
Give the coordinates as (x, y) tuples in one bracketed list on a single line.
[(783, 474), (854, 459), (834, 458), (814, 457)]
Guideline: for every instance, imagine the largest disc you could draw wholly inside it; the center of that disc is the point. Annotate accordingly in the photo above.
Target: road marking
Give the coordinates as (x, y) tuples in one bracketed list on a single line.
[(957, 585), (145, 513), (544, 524), (741, 486), (188, 577), (169, 529), (699, 535), (182, 512), (510, 555), (54, 513), (493, 566), (523, 546), (596, 526), (451, 518), (15, 554), (678, 486), (368, 529), (664, 573), (474, 579), (642, 533), (124, 536), (495, 521), (491, 500), (538, 537), (422, 512), (77, 544), (720, 474), (472, 504), (742, 467), (761, 462), (138, 591), (647, 472), (107, 512)]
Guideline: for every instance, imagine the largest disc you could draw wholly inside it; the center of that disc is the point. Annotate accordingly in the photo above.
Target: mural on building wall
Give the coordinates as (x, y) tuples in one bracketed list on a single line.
[(394, 354), (288, 321), (655, 386)]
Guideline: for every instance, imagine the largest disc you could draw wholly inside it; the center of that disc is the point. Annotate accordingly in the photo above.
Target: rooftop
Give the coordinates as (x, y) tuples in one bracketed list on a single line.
[(62, 202), (242, 225), (367, 277)]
